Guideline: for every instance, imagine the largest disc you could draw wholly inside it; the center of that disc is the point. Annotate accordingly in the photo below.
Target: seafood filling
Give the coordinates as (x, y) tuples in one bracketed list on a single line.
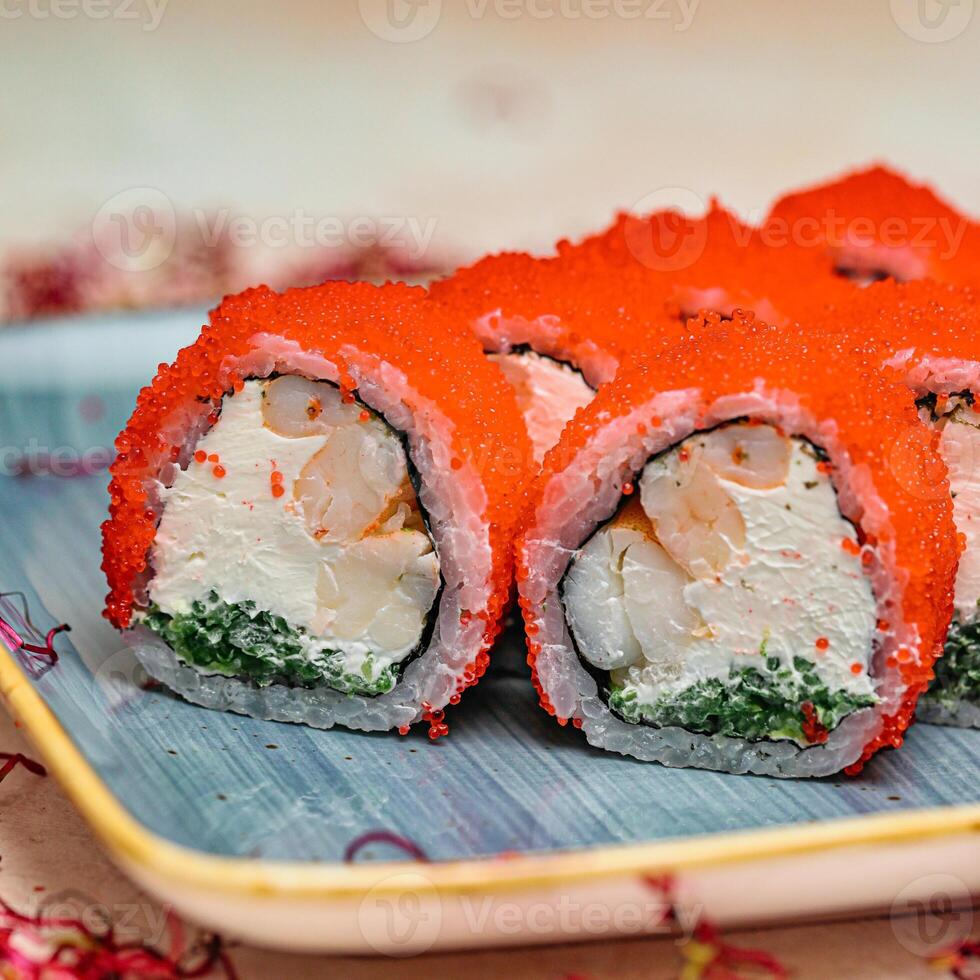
[(549, 393), (728, 595), (292, 547)]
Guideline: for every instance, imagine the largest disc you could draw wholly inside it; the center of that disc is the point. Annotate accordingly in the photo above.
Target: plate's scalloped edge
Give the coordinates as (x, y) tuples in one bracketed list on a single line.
[(129, 840)]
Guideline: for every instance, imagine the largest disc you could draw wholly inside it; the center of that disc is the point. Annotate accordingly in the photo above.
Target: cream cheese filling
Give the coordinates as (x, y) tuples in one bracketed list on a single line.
[(733, 552), (301, 504), (549, 393)]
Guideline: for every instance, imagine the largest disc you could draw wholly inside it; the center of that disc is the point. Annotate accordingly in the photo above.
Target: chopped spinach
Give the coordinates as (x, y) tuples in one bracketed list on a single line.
[(750, 703), (958, 670), (238, 640)]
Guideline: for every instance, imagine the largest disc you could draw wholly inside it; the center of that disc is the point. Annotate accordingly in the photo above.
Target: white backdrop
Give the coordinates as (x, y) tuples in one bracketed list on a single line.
[(510, 123)]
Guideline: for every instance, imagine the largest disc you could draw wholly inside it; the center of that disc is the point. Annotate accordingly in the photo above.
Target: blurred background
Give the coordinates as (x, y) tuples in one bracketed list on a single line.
[(164, 151)]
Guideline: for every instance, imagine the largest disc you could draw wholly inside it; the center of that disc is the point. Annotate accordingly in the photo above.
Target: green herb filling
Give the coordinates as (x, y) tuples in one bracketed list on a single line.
[(958, 670), (238, 640), (749, 703)]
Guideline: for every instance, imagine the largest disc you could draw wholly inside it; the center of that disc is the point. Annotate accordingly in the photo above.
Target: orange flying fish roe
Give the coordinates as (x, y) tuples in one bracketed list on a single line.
[(609, 290), (348, 323), (276, 480), (917, 319), (878, 221), (637, 283)]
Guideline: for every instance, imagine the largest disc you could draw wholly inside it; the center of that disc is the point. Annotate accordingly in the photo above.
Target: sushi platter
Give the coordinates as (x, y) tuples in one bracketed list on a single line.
[(737, 517)]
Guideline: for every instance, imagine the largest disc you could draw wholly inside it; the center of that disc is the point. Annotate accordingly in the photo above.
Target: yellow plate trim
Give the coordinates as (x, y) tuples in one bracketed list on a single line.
[(130, 841)]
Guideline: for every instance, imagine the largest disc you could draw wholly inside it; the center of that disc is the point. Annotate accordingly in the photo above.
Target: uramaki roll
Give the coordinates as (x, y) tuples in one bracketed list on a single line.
[(721, 567), (926, 335), (312, 510)]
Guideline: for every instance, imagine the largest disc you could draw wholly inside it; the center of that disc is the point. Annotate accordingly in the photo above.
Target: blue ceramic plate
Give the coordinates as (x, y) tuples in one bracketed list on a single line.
[(152, 771)]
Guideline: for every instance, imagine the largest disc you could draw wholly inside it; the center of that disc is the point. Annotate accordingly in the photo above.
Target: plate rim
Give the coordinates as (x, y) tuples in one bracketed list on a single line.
[(131, 841)]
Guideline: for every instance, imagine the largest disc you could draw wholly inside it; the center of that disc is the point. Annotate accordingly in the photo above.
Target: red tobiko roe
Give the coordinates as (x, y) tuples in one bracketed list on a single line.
[(881, 221), (835, 377), (649, 273), (714, 263), (930, 319), (637, 281), (440, 359)]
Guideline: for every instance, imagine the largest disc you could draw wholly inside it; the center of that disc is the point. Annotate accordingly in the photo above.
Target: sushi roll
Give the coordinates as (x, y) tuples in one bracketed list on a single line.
[(535, 321), (925, 334), (721, 568), (875, 224), (312, 510), (560, 326)]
